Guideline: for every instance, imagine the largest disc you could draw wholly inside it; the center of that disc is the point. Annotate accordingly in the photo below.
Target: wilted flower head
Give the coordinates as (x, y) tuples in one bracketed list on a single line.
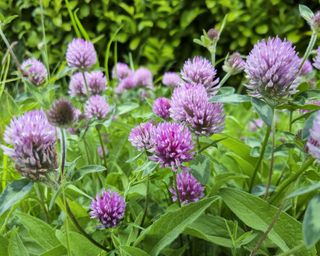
[(272, 67), (316, 60), (161, 107), (33, 144), (199, 70), (96, 82), (190, 104), (172, 145), (234, 64), (189, 188), (77, 86), (34, 70), (121, 71), (306, 68), (313, 143), (143, 78), (141, 137), (62, 113), (213, 34), (109, 208), (171, 79), (81, 54), (96, 107)]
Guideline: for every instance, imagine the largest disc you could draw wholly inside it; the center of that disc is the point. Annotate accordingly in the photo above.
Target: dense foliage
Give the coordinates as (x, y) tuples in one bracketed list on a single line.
[(136, 161), (157, 33)]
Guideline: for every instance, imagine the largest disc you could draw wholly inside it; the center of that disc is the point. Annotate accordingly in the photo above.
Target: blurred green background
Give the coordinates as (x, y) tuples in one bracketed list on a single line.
[(158, 33)]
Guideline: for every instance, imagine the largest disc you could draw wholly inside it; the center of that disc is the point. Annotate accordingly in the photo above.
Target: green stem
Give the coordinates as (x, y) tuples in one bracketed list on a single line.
[(146, 202), (176, 187), (62, 165), (67, 223), (273, 131), (291, 179), (41, 198), (82, 231), (224, 79), (63, 153), (102, 147), (290, 120), (44, 40), (198, 144), (86, 148), (257, 167), (265, 234), (14, 57), (311, 44), (212, 50), (85, 83)]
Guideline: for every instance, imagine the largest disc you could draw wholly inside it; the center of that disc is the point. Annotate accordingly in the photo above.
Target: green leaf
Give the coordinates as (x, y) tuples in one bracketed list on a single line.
[(135, 158), (107, 53), (40, 231), (230, 98), (311, 224), (304, 190), (258, 214), (80, 26), (168, 227), (133, 251), (307, 126), (13, 193), (262, 29), (125, 108), (212, 229), (147, 168), (201, 168), (264, 110), (16, 247), (3, 245), (74, 24), (80, 173), (305, 12), (58, 250), (189, 15), (79, 245)]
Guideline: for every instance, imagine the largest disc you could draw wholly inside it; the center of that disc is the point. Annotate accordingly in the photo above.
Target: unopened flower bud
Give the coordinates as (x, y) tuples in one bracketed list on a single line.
[(234, 64), (213, 34)]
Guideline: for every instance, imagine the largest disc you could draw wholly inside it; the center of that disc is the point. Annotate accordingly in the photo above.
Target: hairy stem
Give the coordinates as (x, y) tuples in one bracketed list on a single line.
[(44, 40), (14, 57), (63, 153), (263, 149), (81, 230), (176, 187), (290, 120), (42, 200), (272, 158), (224, 79), (307, 53), (102, 147), (85, 83), (212, 50), (146, 202), (265, 234), (67, 223)]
